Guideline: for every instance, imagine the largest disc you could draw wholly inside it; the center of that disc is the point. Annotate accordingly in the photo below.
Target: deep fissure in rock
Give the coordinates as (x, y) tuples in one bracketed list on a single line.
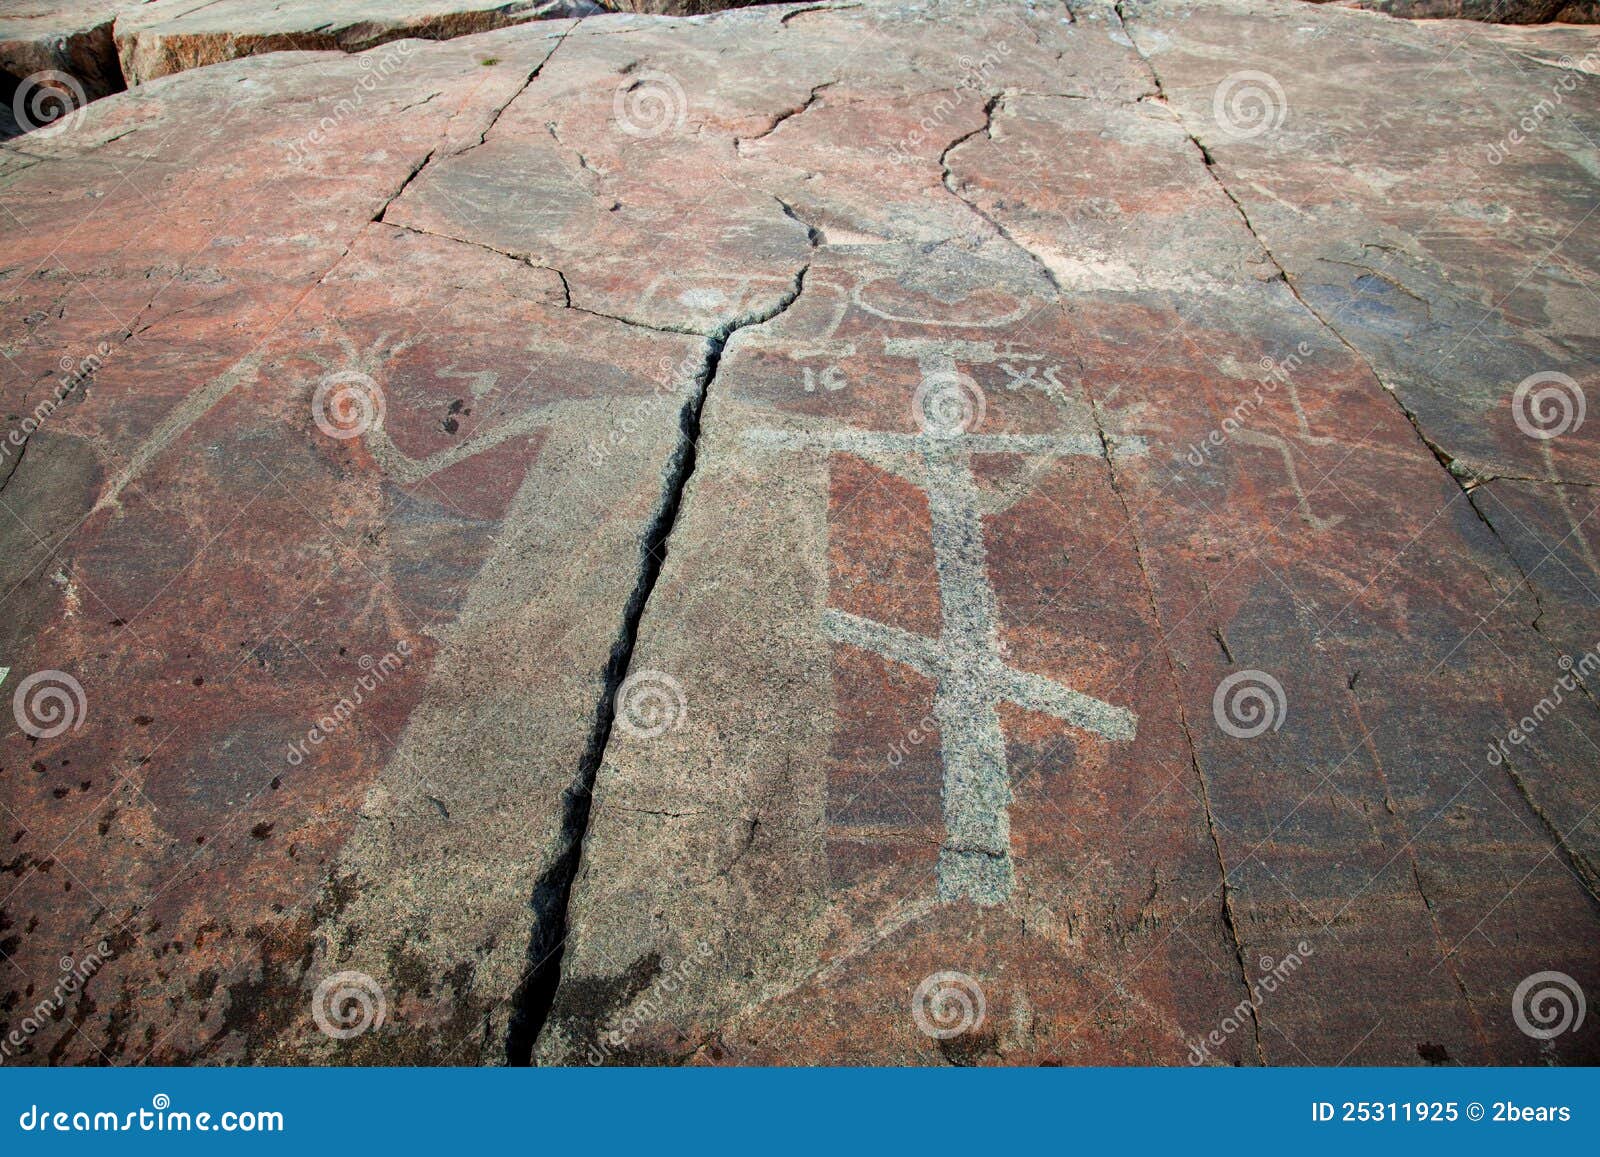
[(552, 893)]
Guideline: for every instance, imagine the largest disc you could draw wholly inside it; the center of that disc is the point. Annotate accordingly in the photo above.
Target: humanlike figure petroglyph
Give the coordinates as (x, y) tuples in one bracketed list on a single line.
[(966, 661)]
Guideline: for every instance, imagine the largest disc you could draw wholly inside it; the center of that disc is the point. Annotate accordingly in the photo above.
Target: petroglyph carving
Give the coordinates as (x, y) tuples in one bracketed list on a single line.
[(966, 661)]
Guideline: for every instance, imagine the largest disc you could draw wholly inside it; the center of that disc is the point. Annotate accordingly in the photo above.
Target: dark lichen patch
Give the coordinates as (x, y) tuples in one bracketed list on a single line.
[(204, 985), (409, 968), (591, 1003), (8, 944), (265, 1006), (970, 1048)]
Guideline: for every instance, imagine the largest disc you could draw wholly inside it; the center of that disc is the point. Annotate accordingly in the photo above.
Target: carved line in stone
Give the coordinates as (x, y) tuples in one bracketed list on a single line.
[(1272, 441), (965, 661), (1023, 307)]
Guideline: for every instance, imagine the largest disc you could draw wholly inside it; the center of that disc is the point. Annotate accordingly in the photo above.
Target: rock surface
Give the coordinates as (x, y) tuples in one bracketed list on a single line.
[(98, 47), (679, 7), (1010, 533), (73, 37), (1493, 11), (166, 36)]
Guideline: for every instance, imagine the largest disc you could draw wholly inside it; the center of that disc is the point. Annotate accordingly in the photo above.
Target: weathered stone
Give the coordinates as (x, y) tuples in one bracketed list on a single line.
[(230, 575), (1494, 11), (678, 7), (166, 36), (83, 50), (1356, 837), (71, 37), (64, 53), (1453, 263), (845, 475)]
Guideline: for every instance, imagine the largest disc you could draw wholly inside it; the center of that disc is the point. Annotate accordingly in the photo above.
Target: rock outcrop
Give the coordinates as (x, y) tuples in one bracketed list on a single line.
[(1492, 11), (166, 36), (844, 532), (61, 54), (70, 37), (679, 7)]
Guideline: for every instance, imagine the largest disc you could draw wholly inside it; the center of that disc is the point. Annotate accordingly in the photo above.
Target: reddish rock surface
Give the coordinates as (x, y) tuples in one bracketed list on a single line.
[(88, 49), (1493, 11), (828, 533)]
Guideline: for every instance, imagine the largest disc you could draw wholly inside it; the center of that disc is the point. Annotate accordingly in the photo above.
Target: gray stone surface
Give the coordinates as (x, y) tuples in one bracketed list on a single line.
[(68, 36), (166, 36), (860, 532)]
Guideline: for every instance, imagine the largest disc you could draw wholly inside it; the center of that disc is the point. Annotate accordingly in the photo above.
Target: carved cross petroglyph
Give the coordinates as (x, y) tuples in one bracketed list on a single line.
[(965, 661)]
